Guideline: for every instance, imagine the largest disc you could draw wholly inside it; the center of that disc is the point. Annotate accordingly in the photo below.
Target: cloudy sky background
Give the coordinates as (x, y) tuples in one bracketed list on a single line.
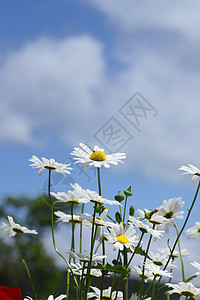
[(66, 69)]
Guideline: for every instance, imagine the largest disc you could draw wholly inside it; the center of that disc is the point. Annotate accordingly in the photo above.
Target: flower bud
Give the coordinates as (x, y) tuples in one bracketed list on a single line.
[(128, 192), (119, 197), (149, 214), (118, 217), (131, 211)]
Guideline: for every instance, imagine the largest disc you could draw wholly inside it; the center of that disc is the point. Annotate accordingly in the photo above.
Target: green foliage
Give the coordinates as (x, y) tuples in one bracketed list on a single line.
[(47, 277)]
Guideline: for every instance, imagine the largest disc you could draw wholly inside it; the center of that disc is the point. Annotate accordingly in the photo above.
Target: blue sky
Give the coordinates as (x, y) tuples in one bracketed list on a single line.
[(68, 69)]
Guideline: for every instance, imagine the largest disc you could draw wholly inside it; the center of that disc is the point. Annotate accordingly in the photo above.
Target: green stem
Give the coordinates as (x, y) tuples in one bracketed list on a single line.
[(81, 229), (125, 208), (109, 217), (91, 253), (99, 181), (135, 249), (26, 267), (103, 274), (176, 241), (170, 279), (81, 282), (153, 282), (53, 235), (180, 254), (125, 282), (143, 268)]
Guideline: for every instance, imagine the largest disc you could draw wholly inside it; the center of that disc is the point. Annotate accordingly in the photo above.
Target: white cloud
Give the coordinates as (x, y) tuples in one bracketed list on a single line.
[(49, 83), (62, 87), (131, 15)]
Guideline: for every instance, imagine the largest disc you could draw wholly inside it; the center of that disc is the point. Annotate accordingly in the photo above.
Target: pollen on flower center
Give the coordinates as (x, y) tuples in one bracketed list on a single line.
[(187, 293), (99, 219), (98, 156), (122, 239)]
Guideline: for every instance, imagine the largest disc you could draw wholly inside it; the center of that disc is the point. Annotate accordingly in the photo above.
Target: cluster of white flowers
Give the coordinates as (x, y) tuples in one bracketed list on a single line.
[(124, 234)]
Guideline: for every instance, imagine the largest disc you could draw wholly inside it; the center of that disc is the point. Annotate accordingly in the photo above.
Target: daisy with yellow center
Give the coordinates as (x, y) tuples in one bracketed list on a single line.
[(15, 228), (122, 237), (96, 157), (49, 164), (186, 289), (156, 270), (106, 294), (147, 274), (74, 196)]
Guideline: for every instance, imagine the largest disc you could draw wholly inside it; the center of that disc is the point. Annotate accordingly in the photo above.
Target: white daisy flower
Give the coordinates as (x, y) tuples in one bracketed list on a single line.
[(77, 269), (171, 210), (156, 270), (186, 289), (97, 157), (160, 259), (155, 219), (197, 266), (193, 232), (49, 164), (95, 198), (98, 222), (191, 170), (85, 257), (166, 251), (135, 297), (96, 294), (147, 274), (122, 237), (51, 297), (69, 197), (65, 218), (15, 228), (145, 228), (74, 196)]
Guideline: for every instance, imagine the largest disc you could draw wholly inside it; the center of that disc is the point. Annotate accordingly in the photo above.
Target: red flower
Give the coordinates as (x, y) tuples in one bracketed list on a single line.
[(8, 293)]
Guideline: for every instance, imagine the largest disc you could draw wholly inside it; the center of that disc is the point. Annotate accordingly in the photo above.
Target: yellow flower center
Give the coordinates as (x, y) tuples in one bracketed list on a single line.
[(98, 156), (99, 219), (122, 239), (187, 293)]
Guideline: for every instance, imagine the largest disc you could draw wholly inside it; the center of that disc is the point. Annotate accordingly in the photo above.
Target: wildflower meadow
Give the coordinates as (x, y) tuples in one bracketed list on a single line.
[(129, 233)]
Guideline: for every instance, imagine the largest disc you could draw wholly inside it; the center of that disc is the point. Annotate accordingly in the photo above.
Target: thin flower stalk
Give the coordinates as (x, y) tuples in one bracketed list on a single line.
[(143, 268), (125, 208), (180, 254), (26, 267), (53, 234), (103, 242), (81, 229), (91, 252), (176, 241), (125, 282)]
